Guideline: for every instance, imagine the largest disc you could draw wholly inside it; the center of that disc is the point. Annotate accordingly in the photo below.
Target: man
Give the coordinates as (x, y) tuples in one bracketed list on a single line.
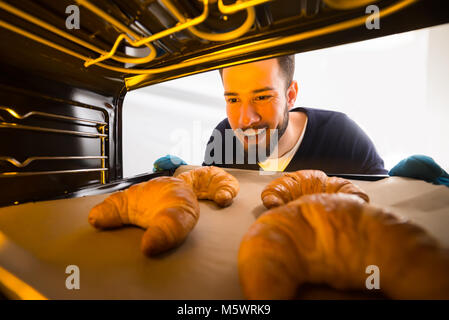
[(264, 131)]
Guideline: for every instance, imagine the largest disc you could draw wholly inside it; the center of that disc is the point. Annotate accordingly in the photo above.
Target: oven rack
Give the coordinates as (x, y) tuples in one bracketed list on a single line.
[(100, 126)]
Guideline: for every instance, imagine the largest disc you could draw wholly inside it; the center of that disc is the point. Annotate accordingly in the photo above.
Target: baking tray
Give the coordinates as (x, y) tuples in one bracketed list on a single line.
[(39, 240)]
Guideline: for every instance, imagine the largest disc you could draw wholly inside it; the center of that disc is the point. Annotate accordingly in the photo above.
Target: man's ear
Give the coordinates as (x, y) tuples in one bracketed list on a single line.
[(292, 94)]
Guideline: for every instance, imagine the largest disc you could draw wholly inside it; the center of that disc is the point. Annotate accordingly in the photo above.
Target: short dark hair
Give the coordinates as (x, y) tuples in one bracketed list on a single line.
[(287, 66)]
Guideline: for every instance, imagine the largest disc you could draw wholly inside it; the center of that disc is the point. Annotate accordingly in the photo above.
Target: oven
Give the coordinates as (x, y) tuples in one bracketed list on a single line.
[(66, 67)]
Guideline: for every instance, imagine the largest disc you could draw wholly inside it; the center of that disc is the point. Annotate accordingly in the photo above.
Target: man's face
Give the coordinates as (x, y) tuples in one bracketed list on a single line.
[(256, 103)]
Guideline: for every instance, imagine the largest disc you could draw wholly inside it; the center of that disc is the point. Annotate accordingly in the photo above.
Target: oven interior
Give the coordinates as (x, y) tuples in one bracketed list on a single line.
[(62, 88)]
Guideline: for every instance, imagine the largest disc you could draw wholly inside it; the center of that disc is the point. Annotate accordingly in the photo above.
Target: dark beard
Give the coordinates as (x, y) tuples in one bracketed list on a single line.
[(269, 147)]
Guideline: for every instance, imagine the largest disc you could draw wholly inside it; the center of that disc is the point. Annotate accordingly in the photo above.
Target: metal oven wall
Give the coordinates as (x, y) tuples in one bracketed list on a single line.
[(36, 147)]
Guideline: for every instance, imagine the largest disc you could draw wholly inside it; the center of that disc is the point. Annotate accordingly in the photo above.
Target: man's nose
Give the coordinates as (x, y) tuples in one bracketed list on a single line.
[(248, 116)]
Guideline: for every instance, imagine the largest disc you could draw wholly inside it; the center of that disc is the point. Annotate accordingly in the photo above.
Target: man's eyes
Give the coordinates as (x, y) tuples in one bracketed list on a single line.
[(262, 98), (257, 99), (232, 100)]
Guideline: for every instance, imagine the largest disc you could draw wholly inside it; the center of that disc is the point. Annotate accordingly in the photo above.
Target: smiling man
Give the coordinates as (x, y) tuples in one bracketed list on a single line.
[(264, 131)]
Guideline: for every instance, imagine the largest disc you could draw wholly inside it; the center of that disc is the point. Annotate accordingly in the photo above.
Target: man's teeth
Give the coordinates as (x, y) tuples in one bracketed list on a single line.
[(253, 132)]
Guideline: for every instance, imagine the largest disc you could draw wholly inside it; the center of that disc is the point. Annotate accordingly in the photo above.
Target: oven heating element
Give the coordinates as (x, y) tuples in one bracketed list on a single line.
[(135, 40)]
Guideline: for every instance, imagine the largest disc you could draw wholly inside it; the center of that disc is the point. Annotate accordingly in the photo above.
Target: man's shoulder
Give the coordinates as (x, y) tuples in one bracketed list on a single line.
[(336, 142), (321, 117), (328, 123), (221, 132), (223, 125)]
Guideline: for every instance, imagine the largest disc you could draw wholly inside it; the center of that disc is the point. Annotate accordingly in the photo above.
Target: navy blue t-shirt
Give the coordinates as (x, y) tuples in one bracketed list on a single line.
[(332, 143)]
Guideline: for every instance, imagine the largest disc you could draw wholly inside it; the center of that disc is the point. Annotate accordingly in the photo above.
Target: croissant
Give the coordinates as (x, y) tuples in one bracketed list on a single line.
[(293, 185), (165, 206), (212, 183), (332, 239)]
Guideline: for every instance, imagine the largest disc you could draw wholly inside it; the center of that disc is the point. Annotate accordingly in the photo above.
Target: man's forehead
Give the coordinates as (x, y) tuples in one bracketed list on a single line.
[(251, 76), (264, 66)]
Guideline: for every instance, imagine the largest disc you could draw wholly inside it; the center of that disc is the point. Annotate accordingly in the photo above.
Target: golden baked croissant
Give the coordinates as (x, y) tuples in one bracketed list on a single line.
[(212, 183), (165, 206), (331, 239), (293, 185)]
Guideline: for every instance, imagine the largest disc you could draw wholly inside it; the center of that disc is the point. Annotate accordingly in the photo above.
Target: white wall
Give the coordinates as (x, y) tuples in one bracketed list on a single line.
[(175, 117), (396, 88)]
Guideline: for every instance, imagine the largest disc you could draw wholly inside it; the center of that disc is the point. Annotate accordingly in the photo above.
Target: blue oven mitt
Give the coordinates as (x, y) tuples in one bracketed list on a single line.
[(421, 167), (168, 162)]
